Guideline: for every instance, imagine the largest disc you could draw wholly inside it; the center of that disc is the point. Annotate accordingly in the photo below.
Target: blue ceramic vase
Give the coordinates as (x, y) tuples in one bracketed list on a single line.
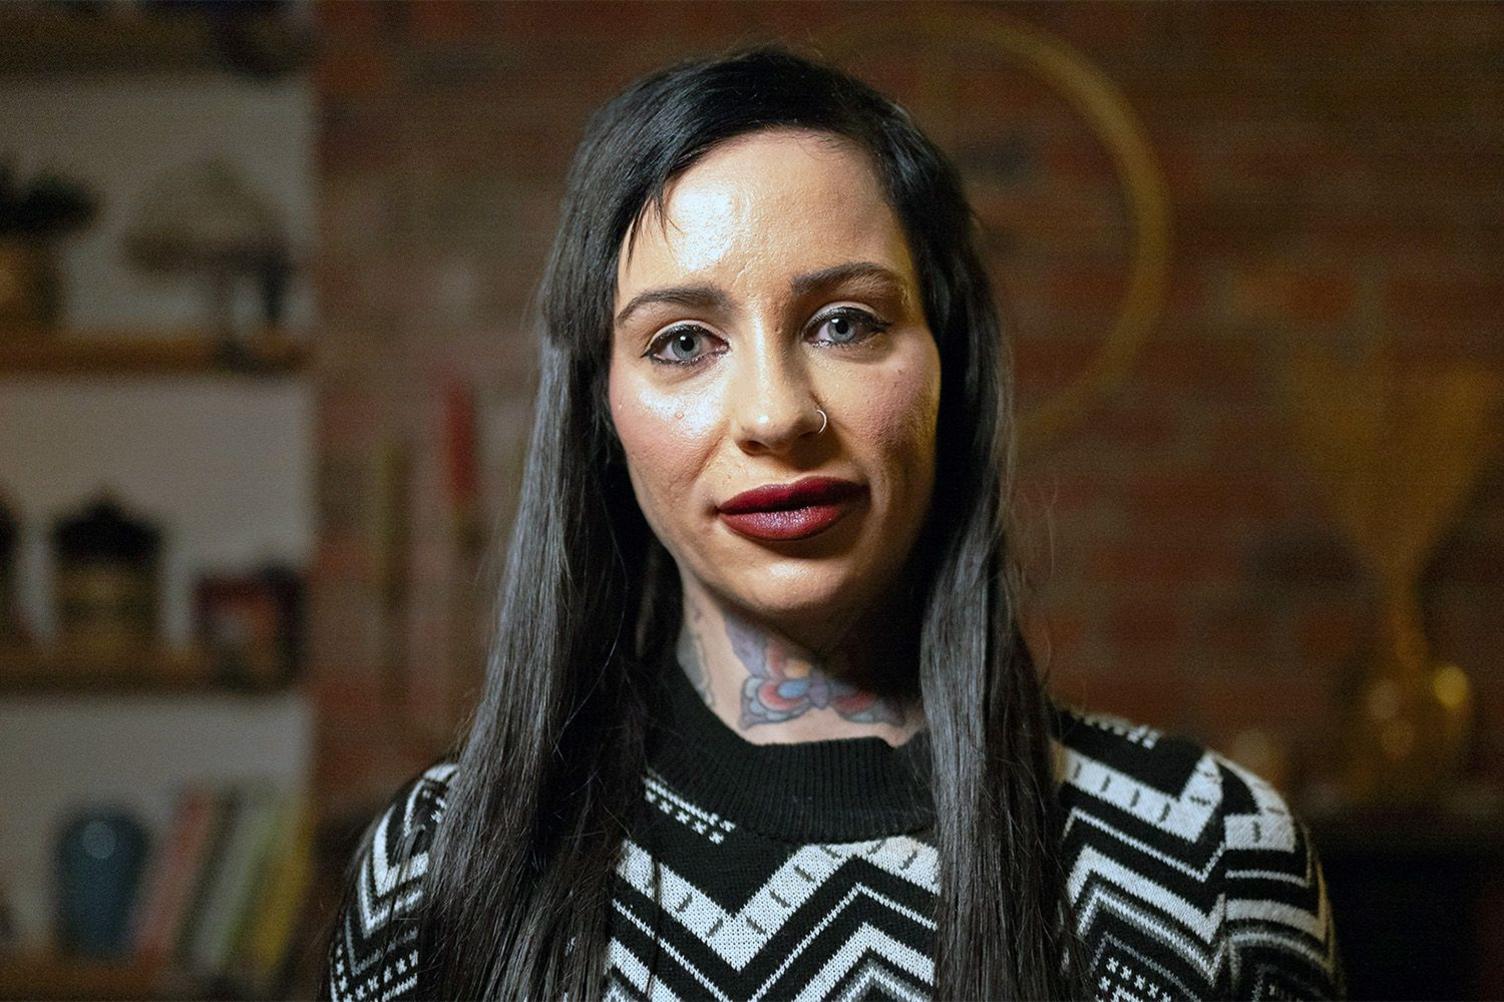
[(99, 861)]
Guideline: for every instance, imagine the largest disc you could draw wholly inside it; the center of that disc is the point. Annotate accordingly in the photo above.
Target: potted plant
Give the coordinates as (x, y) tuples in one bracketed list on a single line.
[(32, 214)]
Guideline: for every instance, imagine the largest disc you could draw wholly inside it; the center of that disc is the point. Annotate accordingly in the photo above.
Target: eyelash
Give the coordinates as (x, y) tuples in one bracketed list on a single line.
[(862, 317)]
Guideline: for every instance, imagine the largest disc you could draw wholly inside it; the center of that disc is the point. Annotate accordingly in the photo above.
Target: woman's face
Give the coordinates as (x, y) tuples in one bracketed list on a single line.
[(777, 284)]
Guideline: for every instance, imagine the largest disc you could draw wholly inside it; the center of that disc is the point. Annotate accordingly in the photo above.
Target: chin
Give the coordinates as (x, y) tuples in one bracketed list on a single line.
[(796, 596)]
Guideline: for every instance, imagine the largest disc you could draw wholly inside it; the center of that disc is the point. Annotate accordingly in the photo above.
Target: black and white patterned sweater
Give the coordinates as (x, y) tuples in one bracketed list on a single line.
[(804, 871)]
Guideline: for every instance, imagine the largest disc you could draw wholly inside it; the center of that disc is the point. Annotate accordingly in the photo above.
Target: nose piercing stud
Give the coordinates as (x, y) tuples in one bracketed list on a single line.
[(824, 420)]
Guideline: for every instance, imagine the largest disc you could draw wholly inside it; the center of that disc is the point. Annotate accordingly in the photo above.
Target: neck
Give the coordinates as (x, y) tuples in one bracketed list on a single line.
[(771, 688)]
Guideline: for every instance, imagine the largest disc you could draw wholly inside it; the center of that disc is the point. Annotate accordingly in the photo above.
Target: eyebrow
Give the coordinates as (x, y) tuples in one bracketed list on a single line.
[(698, 297), (710, 297)]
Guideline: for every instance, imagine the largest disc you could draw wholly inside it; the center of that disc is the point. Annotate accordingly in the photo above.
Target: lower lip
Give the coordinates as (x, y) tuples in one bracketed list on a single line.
[(796, 523)]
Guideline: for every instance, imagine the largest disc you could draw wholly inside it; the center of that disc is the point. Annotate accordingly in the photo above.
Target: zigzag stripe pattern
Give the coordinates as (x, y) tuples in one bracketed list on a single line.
[(1188, 875), (371, 955)]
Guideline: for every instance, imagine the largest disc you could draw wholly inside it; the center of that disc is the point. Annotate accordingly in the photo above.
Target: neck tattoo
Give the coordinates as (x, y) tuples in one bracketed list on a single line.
[(780, 684), (691, 650)]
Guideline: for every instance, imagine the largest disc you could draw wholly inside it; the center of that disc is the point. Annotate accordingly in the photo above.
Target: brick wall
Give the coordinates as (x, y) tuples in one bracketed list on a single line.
[(1334, 176)]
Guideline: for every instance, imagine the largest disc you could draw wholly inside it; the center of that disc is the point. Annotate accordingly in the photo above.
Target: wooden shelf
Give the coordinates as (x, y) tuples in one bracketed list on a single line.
[(103, 353), (39, 40), (53, 976), (154, 672), (49, 38)]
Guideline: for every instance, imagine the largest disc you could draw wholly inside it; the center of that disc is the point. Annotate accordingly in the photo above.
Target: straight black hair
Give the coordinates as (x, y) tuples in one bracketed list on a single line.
[(517, 896)]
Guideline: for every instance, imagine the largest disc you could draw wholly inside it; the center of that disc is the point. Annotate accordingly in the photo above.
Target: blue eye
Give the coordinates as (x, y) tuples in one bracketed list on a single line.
[(848, 326), (680, 346)]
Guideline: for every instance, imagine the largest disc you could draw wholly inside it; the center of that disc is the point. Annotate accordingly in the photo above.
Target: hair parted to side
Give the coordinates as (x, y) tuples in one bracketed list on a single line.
[(517, 896)]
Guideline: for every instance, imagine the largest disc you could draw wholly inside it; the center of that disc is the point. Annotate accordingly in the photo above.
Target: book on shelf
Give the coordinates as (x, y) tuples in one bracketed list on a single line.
[(172, 875), (265, 938), (226, 806), (229, 889), (225, 889)]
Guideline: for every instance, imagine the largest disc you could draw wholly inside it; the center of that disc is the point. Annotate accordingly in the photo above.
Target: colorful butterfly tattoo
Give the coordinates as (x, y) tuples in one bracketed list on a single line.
[(781, 688)]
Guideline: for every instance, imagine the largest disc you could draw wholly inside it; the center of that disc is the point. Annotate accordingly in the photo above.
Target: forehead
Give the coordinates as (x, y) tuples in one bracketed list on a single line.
[(763, 206)]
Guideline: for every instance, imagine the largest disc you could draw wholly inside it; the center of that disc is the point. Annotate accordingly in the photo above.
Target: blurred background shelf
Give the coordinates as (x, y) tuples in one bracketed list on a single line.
[(27, 670), (52, 976), (199, 417), (53, 39), (93, 353), (48, 39), (157, 672)]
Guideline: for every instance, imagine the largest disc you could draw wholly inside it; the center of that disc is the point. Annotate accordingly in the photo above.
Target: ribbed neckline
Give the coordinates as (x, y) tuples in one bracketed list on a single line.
[(837, 790)]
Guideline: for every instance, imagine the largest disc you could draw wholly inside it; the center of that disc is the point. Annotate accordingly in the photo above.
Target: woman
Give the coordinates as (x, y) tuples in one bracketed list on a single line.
[(759, 720)]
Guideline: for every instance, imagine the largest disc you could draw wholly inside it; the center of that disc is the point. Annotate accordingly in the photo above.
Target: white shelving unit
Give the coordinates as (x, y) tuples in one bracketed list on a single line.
[(133, 399), (62, 753)]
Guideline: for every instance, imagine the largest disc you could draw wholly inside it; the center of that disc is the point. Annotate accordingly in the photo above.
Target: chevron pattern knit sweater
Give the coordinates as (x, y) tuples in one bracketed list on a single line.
[(806, 871)]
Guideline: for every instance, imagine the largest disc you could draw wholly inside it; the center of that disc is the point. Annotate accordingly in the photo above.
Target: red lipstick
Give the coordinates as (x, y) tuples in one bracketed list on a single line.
[(791, 511)]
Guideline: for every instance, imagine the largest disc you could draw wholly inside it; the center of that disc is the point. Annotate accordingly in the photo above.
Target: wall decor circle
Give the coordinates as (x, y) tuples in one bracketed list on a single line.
[(934, 44)]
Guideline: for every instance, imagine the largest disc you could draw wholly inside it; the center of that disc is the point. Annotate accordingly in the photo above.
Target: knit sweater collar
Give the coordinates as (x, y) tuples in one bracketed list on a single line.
[(837, 790)]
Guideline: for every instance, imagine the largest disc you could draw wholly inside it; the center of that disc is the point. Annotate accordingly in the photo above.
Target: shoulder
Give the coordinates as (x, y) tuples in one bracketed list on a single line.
[(1278, 922), (1166, 780), (407, 824), (373, 951), (393, 854), (1202, 859), (1112, 768)]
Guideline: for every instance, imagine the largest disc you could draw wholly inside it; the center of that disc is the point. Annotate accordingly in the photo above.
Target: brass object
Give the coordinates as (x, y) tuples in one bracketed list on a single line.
[(106, 582), (1092, 95), (1396, 454)]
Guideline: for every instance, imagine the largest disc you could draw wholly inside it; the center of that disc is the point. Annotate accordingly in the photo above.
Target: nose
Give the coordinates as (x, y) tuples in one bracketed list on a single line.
[(773, 406)]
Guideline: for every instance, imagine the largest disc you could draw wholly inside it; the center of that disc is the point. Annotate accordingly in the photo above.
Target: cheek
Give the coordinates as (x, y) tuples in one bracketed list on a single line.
[(663, 435), (895, 418)]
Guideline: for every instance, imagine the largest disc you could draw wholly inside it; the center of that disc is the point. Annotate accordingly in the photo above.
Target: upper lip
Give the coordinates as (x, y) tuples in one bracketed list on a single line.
[(799, 494)]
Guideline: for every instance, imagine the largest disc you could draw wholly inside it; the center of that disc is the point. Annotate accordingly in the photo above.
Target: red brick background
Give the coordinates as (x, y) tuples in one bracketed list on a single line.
[(1334, 174)]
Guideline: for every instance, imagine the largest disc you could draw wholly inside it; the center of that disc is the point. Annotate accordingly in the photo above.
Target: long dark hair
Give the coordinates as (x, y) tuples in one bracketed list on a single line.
[(517, 898)]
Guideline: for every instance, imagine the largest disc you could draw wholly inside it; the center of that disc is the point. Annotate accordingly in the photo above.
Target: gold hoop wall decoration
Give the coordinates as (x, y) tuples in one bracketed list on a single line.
[(1092, 95)]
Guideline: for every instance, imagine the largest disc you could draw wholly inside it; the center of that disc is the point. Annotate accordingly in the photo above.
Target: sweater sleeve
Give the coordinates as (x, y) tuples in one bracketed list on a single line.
[(374, 946), (1278, 931)]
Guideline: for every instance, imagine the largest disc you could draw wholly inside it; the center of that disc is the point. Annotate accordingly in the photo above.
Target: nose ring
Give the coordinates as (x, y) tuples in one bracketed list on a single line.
[(824, 420)]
